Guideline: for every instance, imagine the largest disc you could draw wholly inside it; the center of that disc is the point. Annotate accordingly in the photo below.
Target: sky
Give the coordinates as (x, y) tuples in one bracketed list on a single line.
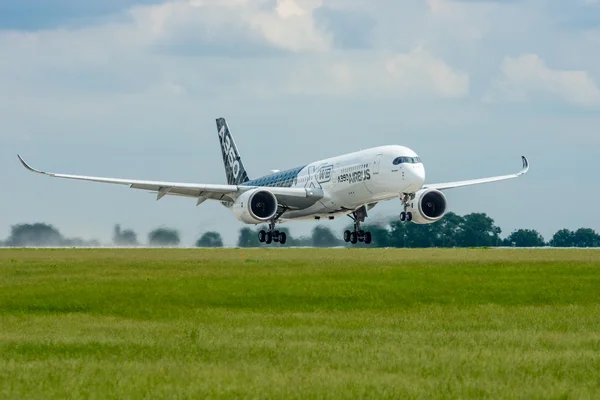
[(132, 88)]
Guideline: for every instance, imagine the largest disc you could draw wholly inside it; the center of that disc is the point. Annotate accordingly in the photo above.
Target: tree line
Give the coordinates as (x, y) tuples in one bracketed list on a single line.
[(45, 235), (471, 230)]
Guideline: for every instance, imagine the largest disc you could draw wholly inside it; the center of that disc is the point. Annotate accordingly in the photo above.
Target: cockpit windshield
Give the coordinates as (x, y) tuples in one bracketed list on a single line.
[(409, 160)]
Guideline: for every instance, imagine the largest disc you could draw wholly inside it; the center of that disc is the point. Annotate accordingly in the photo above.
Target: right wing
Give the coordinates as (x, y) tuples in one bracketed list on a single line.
[(293, 198), (450, 185)]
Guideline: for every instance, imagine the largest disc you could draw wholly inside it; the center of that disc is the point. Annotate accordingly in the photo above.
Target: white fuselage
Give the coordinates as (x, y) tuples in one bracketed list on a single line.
[(360, 178)]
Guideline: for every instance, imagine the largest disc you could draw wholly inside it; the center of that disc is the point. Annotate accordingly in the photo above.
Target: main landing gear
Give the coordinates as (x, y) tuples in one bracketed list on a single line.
[(358, 235), (272, 235), (406, 215)]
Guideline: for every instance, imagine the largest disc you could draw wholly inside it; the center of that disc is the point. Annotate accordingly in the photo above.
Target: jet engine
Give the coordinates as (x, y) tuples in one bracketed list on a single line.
[(255, 206), (428, 206)]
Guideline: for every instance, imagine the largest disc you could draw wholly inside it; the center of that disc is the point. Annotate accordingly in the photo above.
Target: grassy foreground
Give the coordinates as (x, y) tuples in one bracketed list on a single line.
[(299, 323)]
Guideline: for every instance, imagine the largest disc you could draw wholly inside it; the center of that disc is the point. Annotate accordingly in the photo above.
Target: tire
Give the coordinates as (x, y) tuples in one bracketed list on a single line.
[(361, 235), (282, 237), (262, 235), (368, 238), (408, 216), (402, 216), (347, 236), (353, 237), (269, 238)]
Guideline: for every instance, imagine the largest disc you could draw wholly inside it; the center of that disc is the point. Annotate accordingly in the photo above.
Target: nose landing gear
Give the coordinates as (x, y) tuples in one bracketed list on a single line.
[(406, 215)]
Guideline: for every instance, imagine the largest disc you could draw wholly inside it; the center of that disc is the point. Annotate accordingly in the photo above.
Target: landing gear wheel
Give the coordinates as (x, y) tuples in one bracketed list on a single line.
[(402, 216), (282, 237), (347, 236), (269, 238), (262, 236), (368, 237), (408, 216), (357, 235)]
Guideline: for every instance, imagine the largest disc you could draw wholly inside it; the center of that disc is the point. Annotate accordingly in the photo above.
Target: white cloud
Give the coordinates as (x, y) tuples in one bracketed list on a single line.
[(420, 71), (460, 19), (410, 76), (288, 26), (527, 78)]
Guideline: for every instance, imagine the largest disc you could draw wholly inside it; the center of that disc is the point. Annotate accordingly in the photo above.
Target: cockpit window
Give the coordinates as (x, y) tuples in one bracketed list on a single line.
[(409, 160)]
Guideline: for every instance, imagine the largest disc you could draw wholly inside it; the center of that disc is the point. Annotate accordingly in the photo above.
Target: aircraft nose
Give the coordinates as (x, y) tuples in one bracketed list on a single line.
[(416, 176)]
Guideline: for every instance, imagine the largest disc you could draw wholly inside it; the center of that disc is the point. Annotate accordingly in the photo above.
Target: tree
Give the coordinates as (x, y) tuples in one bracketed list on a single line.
[(248, 238), (563, 238), (525, 238), (408, 234), (124, 238), (37, 234), (163, 237), (324, 237), (478, 229), (586, 237), (380, 235), (450, 230), (210, 239), (302, 241), (398, 233)]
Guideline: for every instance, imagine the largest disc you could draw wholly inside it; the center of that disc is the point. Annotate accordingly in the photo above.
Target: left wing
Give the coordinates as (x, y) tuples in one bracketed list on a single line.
[(294, 198), (450, 185)]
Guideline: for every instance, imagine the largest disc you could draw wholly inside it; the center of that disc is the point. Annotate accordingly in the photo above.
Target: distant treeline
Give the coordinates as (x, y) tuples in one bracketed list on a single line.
[(45, 235), (471, 230)]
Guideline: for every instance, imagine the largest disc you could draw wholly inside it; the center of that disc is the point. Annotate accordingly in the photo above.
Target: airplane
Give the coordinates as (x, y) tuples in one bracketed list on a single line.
[(350, 184)]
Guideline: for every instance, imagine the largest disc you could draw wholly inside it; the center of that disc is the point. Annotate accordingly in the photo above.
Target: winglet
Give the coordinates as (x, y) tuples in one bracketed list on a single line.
[(30, 167), (525, 165)]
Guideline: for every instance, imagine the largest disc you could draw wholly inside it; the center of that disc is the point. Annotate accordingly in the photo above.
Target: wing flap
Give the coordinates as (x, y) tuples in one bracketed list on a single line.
[(451, 185)]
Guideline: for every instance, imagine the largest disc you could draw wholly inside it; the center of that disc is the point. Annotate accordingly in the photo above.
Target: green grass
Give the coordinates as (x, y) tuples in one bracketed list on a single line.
[(299, 323)]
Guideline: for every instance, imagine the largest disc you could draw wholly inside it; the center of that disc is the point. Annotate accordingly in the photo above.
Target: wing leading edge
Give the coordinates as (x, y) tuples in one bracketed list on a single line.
[(289, 197), (450, 185)]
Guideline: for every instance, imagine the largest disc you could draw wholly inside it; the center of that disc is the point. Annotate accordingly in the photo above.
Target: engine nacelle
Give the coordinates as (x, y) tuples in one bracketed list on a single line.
[(428, 206), (255, 206)]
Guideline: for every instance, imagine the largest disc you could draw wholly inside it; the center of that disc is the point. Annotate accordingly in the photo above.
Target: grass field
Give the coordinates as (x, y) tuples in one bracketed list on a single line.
[(299, 323)]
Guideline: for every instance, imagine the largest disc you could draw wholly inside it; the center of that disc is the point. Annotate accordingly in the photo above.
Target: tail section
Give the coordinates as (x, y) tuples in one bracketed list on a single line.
[(234, 169)]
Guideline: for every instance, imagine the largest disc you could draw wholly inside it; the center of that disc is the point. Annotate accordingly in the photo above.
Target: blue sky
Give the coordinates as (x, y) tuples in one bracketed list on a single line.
[(132, 89)]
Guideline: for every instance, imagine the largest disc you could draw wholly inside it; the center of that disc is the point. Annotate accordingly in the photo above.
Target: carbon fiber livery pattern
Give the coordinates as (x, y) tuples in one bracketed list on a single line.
[(234, 168), (279, 179)]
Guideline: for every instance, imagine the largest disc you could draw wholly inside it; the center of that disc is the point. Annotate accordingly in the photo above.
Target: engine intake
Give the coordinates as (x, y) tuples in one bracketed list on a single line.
[(428, 206), (263, 205), (255, 206)]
